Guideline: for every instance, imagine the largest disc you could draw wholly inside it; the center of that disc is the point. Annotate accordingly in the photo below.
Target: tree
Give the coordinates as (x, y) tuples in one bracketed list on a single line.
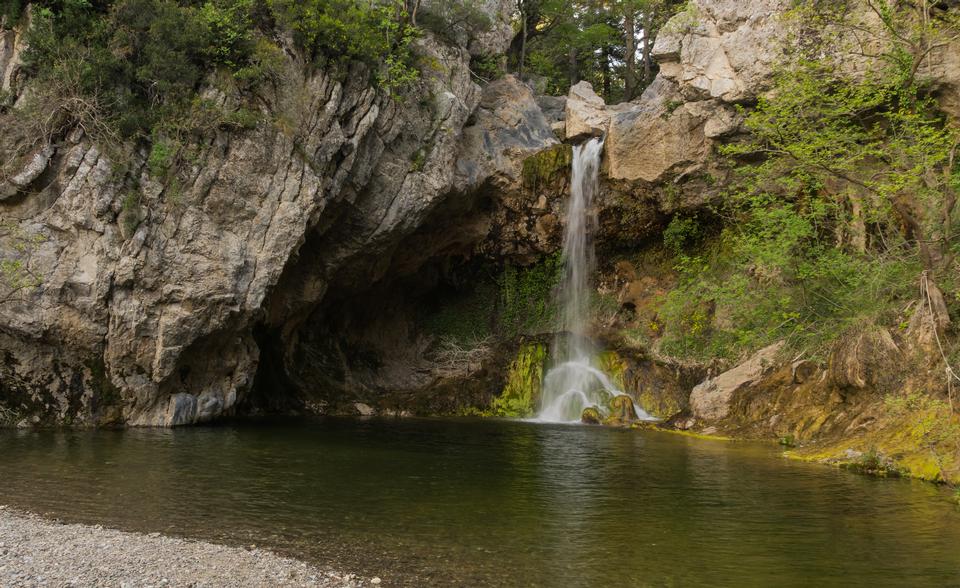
[(843, 196), (596, 40)]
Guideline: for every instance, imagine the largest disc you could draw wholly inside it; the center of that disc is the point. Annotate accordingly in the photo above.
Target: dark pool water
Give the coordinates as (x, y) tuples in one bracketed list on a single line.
[(497, 503)]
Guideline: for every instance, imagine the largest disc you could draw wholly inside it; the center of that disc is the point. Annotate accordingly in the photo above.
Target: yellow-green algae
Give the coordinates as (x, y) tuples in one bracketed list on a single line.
[(916, 437), (615, 367), (693, 434), (590, 415), (524, 380)]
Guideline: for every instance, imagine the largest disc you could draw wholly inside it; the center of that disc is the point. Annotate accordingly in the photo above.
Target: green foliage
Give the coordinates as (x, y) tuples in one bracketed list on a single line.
[(681, 232), (457, 21), (584, 40), (837, 205), (161, 157), (875, 463), (486, 67), (527, 300), (230, 26), (126, 70), (17, 277), (375, 33), (466, 317), (10, 11), (524, 380), (131, 215), (934, 425)]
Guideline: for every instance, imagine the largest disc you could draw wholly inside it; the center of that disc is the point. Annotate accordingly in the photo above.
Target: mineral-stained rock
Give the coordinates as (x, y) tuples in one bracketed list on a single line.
[(868, 359), (590, 416), (622, 411)]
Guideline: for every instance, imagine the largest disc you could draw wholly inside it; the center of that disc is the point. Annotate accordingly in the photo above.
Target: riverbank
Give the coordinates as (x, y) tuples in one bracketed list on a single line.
[(39, 552)]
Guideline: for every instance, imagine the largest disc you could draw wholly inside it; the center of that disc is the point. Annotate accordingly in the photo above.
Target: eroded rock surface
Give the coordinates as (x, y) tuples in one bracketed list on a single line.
[(146, 299), (710, 400)]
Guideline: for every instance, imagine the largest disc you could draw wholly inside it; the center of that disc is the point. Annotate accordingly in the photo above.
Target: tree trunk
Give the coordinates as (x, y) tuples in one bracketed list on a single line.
[(647, 47), (413, 6), (523, 50), (630, 57), (574, 69), (605, 74)]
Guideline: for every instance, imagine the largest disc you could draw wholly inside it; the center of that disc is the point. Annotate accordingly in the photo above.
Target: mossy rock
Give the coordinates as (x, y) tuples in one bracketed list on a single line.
[(615, 367), (546, 166), (590, 416), (524, 380), (622, 411)]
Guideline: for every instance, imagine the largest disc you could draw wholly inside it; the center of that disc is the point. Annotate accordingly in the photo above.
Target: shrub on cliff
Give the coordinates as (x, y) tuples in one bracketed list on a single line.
[(844, 193)]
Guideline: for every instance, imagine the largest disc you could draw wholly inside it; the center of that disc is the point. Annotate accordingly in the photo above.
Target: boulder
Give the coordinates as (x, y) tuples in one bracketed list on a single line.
[(869, 359), (722, 49), (586, 114), (710, 400), (622, 411), (507, 127), (590, 416)]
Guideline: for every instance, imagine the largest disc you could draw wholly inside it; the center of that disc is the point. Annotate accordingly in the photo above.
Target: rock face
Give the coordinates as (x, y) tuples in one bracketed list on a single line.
[(143, 303), (710, 400), (715, 54), (296, 254), (586, 113), (721, 49)]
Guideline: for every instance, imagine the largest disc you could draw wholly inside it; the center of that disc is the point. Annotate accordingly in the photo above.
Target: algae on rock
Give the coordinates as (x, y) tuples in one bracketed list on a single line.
[(522, 390)]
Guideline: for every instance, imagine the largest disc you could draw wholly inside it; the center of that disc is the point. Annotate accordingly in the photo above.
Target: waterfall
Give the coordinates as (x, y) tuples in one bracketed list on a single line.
[(574, 381)]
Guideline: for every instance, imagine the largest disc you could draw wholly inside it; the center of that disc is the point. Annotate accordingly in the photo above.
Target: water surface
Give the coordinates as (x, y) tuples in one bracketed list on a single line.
[(496, 503)]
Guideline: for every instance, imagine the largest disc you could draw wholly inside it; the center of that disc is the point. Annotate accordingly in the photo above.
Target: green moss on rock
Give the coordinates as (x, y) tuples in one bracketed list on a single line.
[(615, 367), (590, 416), (546, 166), (524, 379)]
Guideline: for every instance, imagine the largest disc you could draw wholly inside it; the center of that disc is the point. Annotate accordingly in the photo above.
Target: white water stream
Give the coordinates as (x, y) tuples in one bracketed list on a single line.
[(574, 381)]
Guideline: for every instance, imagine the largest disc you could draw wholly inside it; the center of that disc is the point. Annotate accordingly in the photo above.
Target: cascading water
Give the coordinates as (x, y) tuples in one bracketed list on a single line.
[(575, 382)]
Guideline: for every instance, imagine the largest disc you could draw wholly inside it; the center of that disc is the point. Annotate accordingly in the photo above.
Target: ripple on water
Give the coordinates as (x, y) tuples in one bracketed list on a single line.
[(496, 502)]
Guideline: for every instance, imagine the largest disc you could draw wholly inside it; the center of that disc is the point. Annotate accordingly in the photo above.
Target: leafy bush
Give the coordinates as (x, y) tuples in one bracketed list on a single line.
[(10, 11), (681, 232), (373, 32), (842, 195), (527, 300), (457, 21)]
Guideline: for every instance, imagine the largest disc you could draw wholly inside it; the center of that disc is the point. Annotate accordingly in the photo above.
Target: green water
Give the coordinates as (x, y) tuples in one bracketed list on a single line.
[(497, 503)]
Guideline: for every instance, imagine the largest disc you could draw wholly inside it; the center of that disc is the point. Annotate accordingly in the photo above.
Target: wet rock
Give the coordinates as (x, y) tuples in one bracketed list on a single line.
[(363, 409), (622, 411), (591, 416)]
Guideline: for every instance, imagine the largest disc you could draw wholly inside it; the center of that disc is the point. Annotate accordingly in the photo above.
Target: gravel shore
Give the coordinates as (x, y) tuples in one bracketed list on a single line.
[(39, 552)]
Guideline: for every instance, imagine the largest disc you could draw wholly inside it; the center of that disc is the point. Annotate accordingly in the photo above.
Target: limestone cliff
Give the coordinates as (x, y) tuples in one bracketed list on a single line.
[(292, 266), (143, 296)]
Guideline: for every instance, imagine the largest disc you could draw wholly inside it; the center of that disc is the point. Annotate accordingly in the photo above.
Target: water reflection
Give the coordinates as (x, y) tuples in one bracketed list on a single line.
[(496, 503)]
